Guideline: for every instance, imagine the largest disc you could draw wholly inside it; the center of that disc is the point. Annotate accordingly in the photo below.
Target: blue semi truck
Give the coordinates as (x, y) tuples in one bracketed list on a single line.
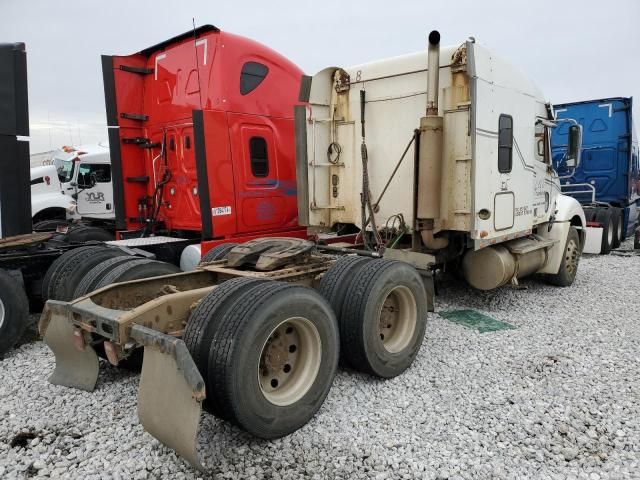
[(607, 180)]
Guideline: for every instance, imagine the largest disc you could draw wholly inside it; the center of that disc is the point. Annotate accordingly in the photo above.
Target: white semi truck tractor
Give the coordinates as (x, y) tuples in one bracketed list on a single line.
[(475, 186), (421, 160), (77, 186)]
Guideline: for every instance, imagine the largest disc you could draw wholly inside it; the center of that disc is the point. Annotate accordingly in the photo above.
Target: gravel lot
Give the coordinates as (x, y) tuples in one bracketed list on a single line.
[(558, 397)]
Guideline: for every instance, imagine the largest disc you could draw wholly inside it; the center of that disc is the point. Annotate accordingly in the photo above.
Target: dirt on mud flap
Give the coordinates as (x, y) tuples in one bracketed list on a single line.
[(171, 388), (76, 360), (171, 392)]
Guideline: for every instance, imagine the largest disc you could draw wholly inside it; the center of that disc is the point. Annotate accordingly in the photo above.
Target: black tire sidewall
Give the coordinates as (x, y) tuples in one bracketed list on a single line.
[(252, 410), (563, 278), (202, 328), (148, 270), (66, 284), (93, 276), (218, 252), (85, 233), (16, 310), (618, 223), (49, 225), (605, 218), (63, 263), (333, 285), (382, 362)]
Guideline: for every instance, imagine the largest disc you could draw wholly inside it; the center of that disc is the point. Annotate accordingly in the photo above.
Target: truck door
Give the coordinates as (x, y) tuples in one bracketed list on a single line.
[(95, 201), (504, 199), (258, 164), (543, 192)]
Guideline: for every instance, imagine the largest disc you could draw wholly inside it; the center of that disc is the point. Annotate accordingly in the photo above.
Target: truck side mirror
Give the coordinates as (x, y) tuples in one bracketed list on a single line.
[(574, 147)]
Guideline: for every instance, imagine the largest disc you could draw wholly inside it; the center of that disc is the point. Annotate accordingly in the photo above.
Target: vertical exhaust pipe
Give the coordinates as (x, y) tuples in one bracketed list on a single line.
[(433, 73), (430, 157)]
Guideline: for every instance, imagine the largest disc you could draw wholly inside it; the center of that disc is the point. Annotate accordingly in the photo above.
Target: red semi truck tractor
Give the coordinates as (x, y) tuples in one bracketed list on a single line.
[(201, 134), (201, 138)]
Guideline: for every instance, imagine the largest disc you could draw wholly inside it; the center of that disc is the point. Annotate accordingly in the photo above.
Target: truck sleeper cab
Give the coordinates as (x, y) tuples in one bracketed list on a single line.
[(607, 181), (481, 185), (201, 137)]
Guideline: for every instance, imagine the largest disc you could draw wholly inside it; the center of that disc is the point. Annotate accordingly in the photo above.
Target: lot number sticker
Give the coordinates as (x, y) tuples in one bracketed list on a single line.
[(219, 211)]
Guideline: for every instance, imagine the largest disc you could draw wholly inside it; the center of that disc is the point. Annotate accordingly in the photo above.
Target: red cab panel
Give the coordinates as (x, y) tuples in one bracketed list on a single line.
[(202, 136)]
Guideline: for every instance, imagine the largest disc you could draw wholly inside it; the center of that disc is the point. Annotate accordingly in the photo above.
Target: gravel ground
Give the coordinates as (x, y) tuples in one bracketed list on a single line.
[(558, 397)]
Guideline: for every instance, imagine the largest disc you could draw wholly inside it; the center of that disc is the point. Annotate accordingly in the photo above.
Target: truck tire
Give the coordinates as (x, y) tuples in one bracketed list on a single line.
[(334, 282), (59, 263), (84, 233), (203, 323), (66, 279), (49, 225), (590, 214), (275, 358), (14, 312), (604, 217), (384, 344), (219, 252), (618, 227), (570, 260), (636, 239), (136, 270), (333, 286), (90, 281)]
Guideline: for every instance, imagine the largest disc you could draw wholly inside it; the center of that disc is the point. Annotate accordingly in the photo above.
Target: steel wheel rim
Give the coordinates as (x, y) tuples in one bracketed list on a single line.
[(571, 257), (398, 319), (2, 313), (289, 361), (610, 232)]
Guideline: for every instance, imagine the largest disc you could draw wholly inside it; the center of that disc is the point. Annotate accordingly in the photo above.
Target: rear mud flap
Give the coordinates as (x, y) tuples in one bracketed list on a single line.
[(171, 393), (76, 362)]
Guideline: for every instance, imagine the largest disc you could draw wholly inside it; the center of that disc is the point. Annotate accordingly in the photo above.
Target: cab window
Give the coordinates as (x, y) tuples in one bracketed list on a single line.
[(541, 143), (101, 172), (65, 169)]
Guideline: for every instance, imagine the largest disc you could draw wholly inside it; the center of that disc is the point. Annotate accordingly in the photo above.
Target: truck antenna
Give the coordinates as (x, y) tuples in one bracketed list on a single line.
[(195, 49)]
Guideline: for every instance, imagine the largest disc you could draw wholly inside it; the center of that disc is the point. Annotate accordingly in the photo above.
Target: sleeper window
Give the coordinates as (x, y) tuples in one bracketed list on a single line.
[(505, 143), (259, 157), (252, 75)]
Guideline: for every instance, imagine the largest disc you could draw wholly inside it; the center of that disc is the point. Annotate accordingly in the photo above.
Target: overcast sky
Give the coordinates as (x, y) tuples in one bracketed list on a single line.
[(574, 50)]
